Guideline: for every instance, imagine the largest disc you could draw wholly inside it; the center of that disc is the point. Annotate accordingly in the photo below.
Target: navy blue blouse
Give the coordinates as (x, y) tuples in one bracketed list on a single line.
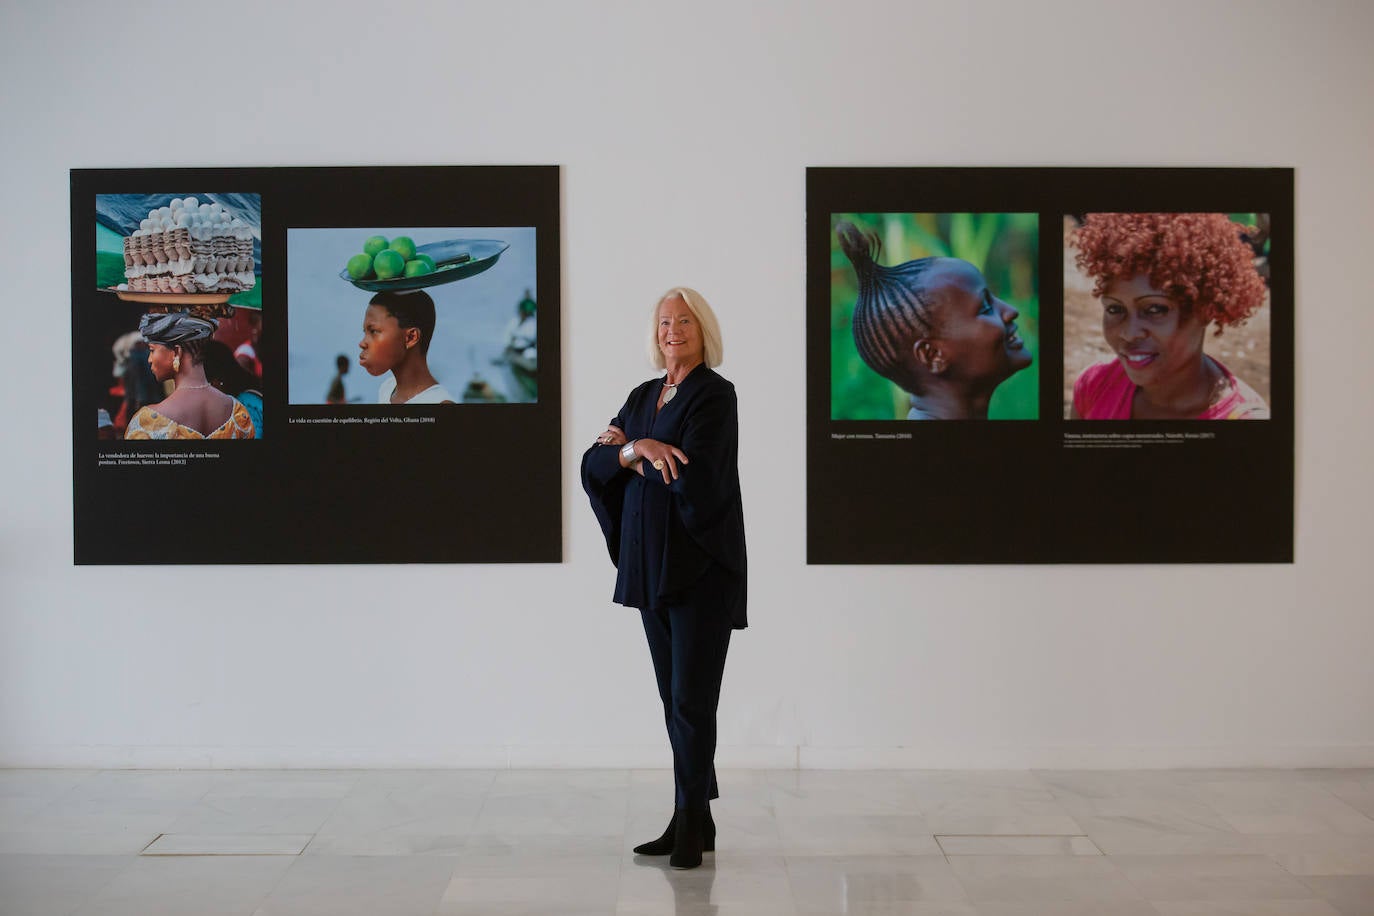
[(663, 538)]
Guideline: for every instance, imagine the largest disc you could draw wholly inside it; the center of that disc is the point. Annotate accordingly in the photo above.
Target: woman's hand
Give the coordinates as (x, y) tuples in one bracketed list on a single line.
[(613, 435), (661, 456)]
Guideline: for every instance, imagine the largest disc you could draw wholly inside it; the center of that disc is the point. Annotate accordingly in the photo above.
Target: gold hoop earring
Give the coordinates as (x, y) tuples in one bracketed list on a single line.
[(176, 362)]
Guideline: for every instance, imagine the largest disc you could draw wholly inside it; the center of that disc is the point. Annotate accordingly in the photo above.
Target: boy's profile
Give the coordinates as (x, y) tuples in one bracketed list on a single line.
[(397, 329)]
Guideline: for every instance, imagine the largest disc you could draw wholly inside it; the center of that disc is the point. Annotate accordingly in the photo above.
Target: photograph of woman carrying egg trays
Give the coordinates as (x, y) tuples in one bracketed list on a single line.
[(180, 332), (412, 315)]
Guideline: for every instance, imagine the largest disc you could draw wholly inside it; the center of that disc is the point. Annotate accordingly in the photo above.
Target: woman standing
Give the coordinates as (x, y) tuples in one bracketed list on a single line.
[(663, 480), (195, 409)]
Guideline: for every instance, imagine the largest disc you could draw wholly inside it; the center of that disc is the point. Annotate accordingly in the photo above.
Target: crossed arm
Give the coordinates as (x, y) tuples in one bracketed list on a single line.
[(650, 450)]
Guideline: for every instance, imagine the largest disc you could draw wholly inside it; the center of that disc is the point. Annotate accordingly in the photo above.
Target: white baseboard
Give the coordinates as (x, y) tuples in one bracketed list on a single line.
[(749, 757), (1080, 758), (104, 757)]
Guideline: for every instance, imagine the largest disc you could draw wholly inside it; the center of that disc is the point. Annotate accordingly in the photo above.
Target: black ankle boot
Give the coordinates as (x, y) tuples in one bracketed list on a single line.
[(664, 844), (690, 839)]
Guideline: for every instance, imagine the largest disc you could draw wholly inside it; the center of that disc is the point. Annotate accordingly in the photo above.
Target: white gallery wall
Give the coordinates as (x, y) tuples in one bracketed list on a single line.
[(683, 131)]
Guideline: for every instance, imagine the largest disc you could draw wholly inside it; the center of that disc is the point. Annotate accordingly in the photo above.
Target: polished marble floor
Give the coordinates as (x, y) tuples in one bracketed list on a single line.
[(501, 843)]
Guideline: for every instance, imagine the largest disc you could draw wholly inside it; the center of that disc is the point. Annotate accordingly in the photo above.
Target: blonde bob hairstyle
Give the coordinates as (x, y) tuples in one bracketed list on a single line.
[(713, 349)]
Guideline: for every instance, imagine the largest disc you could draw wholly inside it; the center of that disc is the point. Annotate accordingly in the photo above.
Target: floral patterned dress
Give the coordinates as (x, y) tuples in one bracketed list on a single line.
[(149, 424)]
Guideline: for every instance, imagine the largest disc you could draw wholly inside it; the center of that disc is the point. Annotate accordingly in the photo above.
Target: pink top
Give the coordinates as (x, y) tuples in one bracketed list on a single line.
[(1103, 391)]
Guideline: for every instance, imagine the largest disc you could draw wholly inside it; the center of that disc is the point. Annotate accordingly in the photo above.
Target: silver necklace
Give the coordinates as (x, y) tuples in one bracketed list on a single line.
[(206, 385), (669, 391)]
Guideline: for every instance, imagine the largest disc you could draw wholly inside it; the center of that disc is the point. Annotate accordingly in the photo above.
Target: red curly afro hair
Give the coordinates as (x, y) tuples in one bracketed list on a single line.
[(1197, 258)]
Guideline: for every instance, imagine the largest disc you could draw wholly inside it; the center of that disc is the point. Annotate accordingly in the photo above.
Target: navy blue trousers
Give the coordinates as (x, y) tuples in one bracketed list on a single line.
[(688, 641)]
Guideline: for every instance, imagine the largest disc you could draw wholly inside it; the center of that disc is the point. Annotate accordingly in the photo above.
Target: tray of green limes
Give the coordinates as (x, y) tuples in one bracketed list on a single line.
[(399, 264)]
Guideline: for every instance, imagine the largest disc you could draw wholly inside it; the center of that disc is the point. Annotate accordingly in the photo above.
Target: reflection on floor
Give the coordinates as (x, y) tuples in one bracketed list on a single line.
[(443, 843)]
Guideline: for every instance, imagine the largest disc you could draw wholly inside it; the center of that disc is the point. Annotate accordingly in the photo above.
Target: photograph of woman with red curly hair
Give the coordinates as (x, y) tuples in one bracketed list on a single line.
[(1180, 303)]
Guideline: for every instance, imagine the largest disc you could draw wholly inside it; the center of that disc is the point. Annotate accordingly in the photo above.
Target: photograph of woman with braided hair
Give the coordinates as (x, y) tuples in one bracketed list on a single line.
[(935, 333), (1141, 294)]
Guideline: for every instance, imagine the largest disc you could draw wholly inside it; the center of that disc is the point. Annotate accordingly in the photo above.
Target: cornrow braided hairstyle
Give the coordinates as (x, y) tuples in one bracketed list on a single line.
[(892, 312)]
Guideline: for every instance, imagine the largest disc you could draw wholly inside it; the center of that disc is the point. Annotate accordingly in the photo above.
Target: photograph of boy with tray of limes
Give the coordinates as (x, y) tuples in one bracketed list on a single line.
[(430, 315)]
